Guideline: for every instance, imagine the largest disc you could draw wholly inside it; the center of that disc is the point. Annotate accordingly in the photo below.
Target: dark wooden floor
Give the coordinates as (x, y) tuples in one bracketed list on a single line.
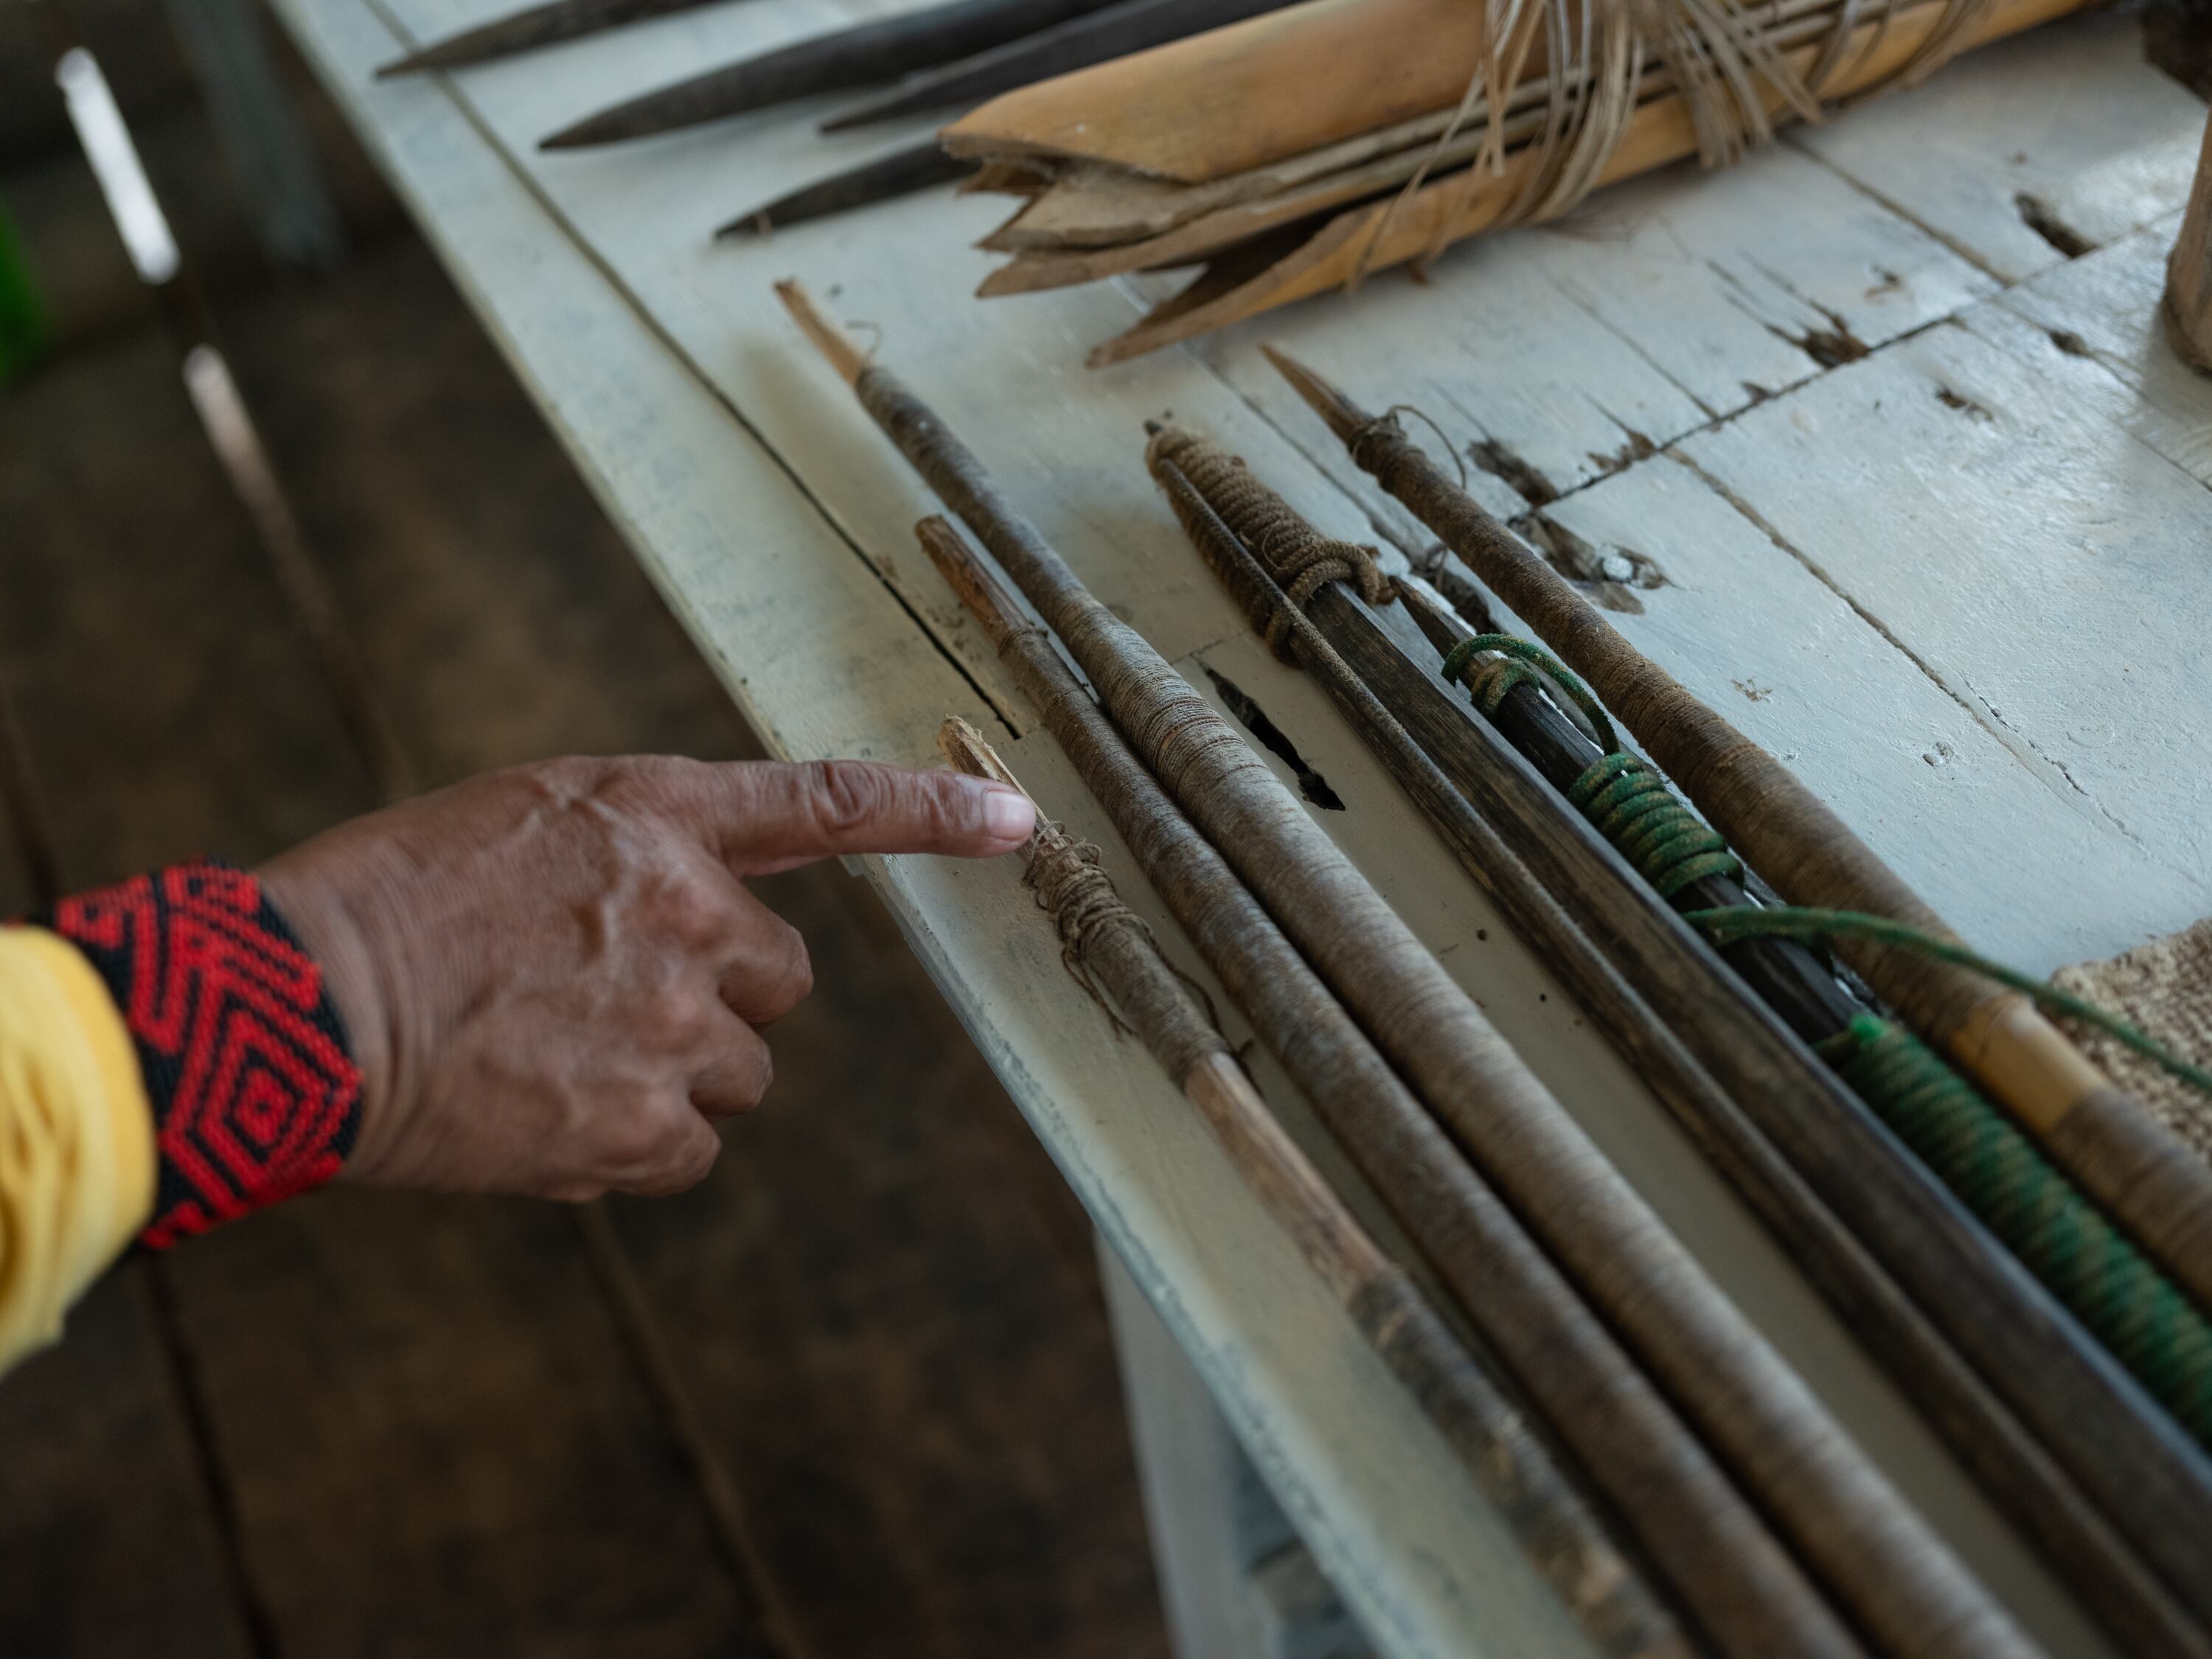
[(861, 1378)]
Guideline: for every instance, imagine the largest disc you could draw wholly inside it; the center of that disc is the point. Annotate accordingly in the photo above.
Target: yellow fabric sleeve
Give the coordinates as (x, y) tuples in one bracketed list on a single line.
[(76, 1135)]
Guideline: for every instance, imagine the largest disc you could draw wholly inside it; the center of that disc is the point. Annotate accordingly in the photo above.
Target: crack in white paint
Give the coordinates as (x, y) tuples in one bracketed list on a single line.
[(2016, 743), (1566, 291), (1889, 206)]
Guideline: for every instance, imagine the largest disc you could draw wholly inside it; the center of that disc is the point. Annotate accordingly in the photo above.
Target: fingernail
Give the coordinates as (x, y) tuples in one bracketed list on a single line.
[(1007, 813)]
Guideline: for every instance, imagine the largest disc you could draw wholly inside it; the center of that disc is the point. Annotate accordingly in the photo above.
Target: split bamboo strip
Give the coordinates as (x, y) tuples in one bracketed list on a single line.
[(2158, 1190), (1091, 205), (1723, 1563), (2187, 307), (1714, 1366), (2152, 1480), (1111, 948), (1413, 226)]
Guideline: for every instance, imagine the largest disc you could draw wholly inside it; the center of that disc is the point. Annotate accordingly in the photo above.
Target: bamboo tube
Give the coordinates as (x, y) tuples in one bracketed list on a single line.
[(1722, 1561), (2153, 1185), (1103, 937), (2152, 1480), (1245, 95), (1199, 235), (853, 56), (2186, 309), (1709, 1360), (1390, 232)]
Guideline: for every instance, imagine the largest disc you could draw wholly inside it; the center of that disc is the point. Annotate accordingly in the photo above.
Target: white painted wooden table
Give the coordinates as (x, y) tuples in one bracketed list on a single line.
[(1921, 501)]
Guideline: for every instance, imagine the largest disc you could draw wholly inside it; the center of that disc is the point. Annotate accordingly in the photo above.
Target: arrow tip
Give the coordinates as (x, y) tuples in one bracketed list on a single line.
[(1344, 417)]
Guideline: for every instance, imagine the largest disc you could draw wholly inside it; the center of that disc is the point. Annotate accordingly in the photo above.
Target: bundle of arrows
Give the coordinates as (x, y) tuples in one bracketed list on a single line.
[(2013, 1237), (1303, 149)]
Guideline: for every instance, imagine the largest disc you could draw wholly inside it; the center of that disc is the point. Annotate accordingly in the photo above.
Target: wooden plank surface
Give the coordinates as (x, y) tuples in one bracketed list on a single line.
[(2101, 313), (2064, 136), (1590, 364)]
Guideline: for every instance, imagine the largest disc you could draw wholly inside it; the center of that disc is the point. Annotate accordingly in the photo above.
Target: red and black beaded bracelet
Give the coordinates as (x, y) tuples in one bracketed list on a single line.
[(256, 1096)]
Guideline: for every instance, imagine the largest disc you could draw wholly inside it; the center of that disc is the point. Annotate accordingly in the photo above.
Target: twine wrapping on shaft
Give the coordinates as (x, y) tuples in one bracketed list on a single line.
[(1299, 557)]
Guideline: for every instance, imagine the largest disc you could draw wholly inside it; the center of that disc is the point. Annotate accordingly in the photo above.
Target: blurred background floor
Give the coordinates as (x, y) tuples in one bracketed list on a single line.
[(861, 1378)]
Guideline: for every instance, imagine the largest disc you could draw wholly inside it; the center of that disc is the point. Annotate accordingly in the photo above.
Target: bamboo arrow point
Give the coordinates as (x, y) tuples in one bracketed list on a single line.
[(844, 352), (1344, 418)]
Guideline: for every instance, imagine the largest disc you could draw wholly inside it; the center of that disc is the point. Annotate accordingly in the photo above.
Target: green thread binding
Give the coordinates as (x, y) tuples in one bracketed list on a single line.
[(1727, 924), (1628, 800), (2062, 1237), (2031, 1205)]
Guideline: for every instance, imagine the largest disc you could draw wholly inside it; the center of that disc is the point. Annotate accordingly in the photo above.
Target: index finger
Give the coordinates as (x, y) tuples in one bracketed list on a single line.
[(765, 815)]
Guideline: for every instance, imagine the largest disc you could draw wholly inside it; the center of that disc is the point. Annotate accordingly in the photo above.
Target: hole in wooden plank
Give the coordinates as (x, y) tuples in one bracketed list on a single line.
[(1637, 448), (1273, 738), (2037, 215), (1831, 347), (2070, 343), (1963, 403), (1495, 459), (1608, 576)]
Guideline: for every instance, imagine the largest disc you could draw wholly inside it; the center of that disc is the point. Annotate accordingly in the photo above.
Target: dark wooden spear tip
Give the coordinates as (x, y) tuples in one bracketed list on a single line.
[(898, 173), (609, 126), (1344, 418), (458, 51), (730, 90), (536, 26)]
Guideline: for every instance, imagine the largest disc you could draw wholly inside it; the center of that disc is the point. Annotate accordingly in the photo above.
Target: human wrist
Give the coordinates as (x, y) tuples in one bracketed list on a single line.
[(246, 1059), (324, 915)]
